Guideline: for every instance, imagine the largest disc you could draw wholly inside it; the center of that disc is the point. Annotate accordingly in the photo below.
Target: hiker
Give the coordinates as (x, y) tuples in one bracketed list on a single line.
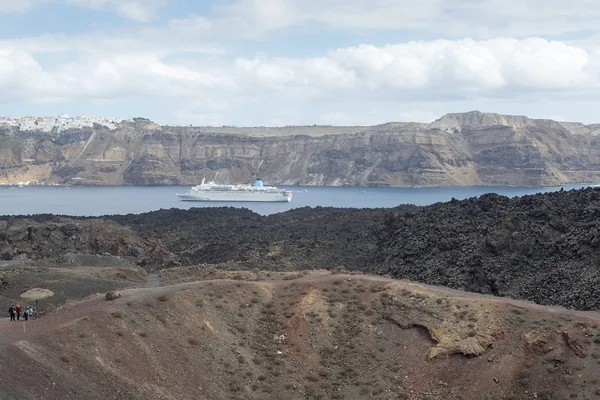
[(11, 311), (30, 311), (18, 311), (26, 314)]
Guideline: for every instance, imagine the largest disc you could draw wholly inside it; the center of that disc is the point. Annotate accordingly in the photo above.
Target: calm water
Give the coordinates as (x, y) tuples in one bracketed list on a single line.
[(95, 200)]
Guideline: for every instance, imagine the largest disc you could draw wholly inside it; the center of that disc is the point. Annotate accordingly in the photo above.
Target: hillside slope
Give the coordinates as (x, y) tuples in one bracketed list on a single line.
[(457, 150), (315, 336)]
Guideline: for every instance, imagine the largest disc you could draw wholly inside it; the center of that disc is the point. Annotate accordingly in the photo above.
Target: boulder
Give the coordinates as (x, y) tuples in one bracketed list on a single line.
[(112, 295)]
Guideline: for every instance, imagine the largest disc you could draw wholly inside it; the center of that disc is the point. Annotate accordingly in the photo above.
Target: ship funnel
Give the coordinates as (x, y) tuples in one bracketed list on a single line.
[(257, 183)]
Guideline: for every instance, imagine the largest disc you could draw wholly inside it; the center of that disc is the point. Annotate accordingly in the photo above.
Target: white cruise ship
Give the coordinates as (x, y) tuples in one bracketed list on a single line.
[(217, 192)]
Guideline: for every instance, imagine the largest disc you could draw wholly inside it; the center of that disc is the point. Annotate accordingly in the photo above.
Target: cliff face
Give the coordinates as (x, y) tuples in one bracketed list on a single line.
[(457, 150)]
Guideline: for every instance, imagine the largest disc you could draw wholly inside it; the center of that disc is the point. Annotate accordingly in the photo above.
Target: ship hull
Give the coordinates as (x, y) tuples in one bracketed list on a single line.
[(236, 196)]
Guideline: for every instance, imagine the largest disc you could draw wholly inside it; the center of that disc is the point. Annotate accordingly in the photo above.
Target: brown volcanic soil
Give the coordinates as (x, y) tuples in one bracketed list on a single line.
[(246, 335)]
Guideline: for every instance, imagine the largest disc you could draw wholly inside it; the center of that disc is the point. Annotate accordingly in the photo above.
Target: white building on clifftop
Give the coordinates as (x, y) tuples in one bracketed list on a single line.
[(47, 124)]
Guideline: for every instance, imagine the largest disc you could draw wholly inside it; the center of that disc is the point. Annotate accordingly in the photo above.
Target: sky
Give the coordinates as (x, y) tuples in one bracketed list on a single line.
[(299, 62)]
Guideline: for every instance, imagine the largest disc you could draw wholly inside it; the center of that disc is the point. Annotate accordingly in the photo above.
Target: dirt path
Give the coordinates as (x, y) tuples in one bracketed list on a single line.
[(153, 281), (87, 143), (11, 332)]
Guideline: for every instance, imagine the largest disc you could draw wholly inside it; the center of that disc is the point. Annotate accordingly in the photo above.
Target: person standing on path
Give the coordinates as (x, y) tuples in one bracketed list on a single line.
[(18, 311), (11, 311)]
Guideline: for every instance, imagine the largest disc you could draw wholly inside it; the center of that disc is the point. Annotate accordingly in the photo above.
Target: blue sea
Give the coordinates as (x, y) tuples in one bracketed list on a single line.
[(106, 200)]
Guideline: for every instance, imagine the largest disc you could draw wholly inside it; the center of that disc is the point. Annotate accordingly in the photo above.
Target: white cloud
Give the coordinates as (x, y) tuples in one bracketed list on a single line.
[(23, 78), (462, 69), (294, 78), (171, 40), (138, 10), (470, 65), (191, 61), (10, 6), (335, 118), (482, 18)]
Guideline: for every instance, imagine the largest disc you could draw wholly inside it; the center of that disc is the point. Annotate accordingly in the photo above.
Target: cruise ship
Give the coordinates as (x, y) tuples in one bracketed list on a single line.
[(212, 191)]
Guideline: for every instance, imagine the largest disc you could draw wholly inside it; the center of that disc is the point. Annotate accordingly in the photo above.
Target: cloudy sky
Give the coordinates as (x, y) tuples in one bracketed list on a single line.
[(288, 62)]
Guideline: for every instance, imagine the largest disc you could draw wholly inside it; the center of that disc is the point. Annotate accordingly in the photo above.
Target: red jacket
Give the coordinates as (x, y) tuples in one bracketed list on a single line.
[(18, 309)]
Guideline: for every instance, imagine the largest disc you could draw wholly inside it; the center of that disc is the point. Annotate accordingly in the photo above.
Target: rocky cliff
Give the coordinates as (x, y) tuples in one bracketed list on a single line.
[(457, 150)]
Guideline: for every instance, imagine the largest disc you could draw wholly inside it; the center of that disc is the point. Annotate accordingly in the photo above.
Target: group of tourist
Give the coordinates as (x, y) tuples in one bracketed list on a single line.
[(16, 312)]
